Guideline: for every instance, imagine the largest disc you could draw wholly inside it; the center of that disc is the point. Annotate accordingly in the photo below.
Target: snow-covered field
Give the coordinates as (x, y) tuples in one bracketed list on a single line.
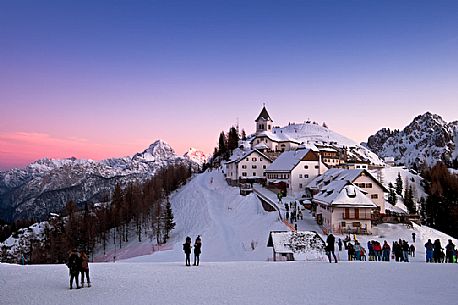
[(234, 283)]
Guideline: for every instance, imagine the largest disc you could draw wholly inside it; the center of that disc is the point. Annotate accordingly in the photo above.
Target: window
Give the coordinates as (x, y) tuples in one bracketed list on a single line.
[(306, 176), (254, 166), (264, 174), (257, 141), (254, 159), (343, 224), (254, 174), (306, 166), (374, 196), (368, 185), (300, 185), (300, 175), (248, 159), (244, 174), (264, 167), (243, 166), (317, 166), (269, 126), (260, 159)]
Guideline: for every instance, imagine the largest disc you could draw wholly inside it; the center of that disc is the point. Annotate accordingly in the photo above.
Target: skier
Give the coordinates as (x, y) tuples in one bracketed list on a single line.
[(197, 250), (330, 247), (74, 264), (84, 269), (187, 250)]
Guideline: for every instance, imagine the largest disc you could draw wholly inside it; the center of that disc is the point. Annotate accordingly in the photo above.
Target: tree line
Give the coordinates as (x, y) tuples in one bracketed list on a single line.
[(136, 210), (440, 209)]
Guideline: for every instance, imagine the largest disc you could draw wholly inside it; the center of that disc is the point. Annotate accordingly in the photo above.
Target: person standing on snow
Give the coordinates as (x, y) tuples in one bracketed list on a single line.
[(187, 250), (330, 247), (197, 250), (429, 251), (84, 269), (413, 237), (449, 251), (74, 264)]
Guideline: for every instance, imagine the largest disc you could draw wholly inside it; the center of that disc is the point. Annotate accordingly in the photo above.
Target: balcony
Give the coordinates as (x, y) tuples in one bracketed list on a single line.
[(361, 216)]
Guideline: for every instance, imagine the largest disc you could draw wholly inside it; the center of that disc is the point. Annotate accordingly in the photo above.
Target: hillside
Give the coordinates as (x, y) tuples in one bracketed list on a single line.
[(425, 141), (45, 186)]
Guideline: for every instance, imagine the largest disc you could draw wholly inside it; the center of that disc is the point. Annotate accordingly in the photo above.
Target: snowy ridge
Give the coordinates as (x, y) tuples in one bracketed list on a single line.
[(46, 185), (196, 156), (313, 134), (425, 141)]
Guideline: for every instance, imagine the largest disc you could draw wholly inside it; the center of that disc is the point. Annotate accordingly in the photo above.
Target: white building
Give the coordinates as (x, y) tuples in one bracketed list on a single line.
[(248, 167), (342, 208), (294, 169), (374, 190)]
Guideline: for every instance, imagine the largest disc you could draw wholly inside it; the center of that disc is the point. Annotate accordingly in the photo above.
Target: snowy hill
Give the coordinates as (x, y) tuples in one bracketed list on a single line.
[(232, 227), (426, 140), (46, 185), (313, 134)]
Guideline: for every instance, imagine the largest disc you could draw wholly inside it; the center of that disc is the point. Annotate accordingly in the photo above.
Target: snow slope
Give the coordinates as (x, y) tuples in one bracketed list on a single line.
[(263, 283), (232, 227)]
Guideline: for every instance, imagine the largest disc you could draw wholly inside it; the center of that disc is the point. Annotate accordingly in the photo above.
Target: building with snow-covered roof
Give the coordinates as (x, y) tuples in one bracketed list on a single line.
[(299, 245), (374, 190), (294, 169), (342, 207), (248, 166), (263, 122)]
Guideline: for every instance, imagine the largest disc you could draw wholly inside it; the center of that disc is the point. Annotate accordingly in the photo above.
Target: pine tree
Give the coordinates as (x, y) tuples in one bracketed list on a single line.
[(392, 197), (232, 139), (222, 147), (399, 185), (169, 224), (409, 200), (243, 135)]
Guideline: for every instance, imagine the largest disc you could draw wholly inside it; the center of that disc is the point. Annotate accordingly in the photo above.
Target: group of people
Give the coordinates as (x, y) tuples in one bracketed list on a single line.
[(435, 252), (78, 264), (292, 212), (197, 250), (400, 251)]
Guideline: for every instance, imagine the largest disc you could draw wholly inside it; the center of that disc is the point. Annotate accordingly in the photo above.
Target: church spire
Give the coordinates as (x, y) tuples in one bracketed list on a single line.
[(264, 121)]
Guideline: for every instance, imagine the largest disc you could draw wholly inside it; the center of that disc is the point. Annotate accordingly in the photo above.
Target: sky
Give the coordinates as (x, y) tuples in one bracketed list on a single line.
[(99, 79)]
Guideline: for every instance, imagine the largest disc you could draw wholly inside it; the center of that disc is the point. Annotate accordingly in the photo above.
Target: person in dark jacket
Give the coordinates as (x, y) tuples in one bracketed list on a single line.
[(449, 251), (187, 250), (84, 269), (197, 250), (330, 247), (74, 265), (437, 252), (429, 251)]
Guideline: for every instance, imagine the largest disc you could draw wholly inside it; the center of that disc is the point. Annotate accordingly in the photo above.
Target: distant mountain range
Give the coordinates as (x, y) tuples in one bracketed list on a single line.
[(425, 141), (45, 186)]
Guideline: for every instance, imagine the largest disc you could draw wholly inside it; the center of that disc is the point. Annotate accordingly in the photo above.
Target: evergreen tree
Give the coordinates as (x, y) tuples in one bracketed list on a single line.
[(392, 197), (399, 185), (232, 139), (169, 224), (222, 147), (243, 135), (409, 200)]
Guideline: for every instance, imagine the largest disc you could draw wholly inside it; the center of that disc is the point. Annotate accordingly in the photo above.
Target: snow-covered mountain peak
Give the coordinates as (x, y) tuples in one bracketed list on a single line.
[(426, 140), (159, 150), (196, 155)]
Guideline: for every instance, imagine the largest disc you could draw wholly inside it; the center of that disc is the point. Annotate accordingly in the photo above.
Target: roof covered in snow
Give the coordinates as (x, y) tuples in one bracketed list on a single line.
[(305, 245), (242, 154), (335, 174), (343, 193), (288, 160)]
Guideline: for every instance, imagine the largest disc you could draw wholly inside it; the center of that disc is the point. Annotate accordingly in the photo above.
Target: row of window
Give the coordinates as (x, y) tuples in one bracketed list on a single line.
[(244, 174), (254, 166), (254, 159), (305, 176), (364, 185), (278, 176)]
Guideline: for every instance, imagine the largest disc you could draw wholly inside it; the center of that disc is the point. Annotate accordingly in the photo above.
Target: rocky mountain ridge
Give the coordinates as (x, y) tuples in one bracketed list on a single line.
[(45, 186), (425, 141)]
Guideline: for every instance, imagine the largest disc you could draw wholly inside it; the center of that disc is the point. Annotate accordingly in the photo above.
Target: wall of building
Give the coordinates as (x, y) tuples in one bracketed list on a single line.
[(373, 190)]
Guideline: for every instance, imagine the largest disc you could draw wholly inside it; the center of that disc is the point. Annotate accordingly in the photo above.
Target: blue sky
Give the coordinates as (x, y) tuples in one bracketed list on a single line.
[(119, 74)]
